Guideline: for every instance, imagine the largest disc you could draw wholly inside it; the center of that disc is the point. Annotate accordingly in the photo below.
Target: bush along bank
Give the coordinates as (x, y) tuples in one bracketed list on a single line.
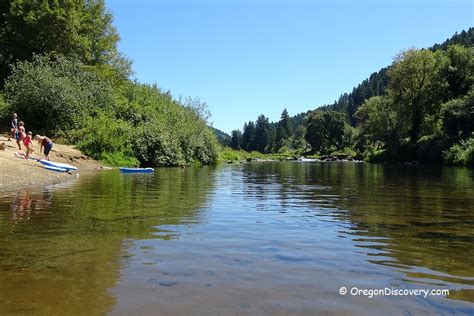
[(127, 124)]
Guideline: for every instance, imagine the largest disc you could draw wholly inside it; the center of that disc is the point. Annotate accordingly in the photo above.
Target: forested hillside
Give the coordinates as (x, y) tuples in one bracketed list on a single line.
[(377, 82), (222, 137), (61, 71), (419, 108)]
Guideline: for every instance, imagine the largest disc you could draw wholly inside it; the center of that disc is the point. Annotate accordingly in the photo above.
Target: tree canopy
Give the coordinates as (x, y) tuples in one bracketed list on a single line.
[(419, 108), (77, 29), (61, 71)]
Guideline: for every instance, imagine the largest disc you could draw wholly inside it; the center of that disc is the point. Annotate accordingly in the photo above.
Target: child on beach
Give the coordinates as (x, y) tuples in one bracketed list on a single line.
[(46, 143), (14, 127), (27, 143), (20, 134)]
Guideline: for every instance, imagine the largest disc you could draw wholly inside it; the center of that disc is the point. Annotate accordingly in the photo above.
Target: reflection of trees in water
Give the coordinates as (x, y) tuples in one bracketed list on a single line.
[(404, 216), (70, 250), (416, 217)]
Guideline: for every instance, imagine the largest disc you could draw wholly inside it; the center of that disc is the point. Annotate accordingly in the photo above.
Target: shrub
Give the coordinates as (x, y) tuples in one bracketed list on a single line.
[(55, 94), (154, 146), (5, 112), (106, 139), (167, 132), (345, 152), (137, 122), (430, 149), (119, 159), (228, 154), (461, 154)]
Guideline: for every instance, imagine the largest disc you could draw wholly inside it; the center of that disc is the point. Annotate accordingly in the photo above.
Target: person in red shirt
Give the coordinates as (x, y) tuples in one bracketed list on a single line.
[(27, 143)]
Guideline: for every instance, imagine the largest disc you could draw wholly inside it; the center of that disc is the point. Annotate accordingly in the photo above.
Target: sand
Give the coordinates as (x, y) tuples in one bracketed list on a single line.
[(19, 173)]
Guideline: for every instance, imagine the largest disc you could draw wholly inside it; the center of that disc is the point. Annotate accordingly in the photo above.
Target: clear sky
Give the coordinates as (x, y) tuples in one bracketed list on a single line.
[(245, 58)]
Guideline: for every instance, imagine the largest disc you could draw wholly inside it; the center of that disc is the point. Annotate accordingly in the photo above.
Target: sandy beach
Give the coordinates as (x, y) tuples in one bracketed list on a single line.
[(18, 173)]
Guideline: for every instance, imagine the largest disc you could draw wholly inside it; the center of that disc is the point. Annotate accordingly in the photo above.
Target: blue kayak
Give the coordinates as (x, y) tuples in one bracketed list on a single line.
[(137, 170)]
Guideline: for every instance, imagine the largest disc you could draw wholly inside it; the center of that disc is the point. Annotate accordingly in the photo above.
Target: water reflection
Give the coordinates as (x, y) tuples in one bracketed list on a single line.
[(258, 238), (417, 220), (62, 249), (281, 238)]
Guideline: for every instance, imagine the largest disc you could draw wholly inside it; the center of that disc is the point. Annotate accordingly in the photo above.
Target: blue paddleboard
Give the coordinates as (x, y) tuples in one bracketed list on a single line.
[(57, 165), (55, 168)]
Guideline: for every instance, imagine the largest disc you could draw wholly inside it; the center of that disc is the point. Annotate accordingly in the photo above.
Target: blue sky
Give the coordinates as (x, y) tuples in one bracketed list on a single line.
[(245, 58)]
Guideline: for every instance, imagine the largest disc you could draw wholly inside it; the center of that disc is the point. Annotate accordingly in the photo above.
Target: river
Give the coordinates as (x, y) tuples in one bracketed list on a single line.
[(279, 238)]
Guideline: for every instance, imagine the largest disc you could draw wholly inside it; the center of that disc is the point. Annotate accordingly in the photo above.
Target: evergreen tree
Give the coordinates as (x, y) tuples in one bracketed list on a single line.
[(248, 136), (285, 122), (284, 129), (262, 134), (280, 136), (236, 139)]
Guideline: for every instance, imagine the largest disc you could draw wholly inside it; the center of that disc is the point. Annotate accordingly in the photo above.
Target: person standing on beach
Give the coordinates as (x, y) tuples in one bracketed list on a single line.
[(14, 127), (44, 143), (27, 143), (20, 134)]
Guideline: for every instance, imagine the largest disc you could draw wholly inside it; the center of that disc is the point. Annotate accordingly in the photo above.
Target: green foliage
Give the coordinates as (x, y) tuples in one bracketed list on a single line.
[(152, 146), (284, 130), (416, 87), (118, 159), (376, 84), (457, 116), (458, 70), (79, 29), (229, 154), (5, 111), (415, 109), (222, 137), (325, 130), (429, 149), (298, 140), (345, 152), (54, 94), (461, 154), (103, 135), (377, 122), (236, 140), (465, 38), (267, 137), (263, 138), (59, 97), (349, 103), (167, 132), (248, 136), (69, 80), (376, 155)]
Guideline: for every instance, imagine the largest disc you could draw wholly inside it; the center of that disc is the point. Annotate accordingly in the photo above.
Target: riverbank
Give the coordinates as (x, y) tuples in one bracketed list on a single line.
[(19, 173), (230, 155)]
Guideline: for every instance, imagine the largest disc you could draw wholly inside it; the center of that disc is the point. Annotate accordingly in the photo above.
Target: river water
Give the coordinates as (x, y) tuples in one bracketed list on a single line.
[(243, 239)]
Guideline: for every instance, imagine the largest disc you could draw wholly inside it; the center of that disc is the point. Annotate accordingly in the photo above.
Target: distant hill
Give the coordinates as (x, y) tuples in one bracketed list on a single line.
[(222, 137), (376, 84)]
